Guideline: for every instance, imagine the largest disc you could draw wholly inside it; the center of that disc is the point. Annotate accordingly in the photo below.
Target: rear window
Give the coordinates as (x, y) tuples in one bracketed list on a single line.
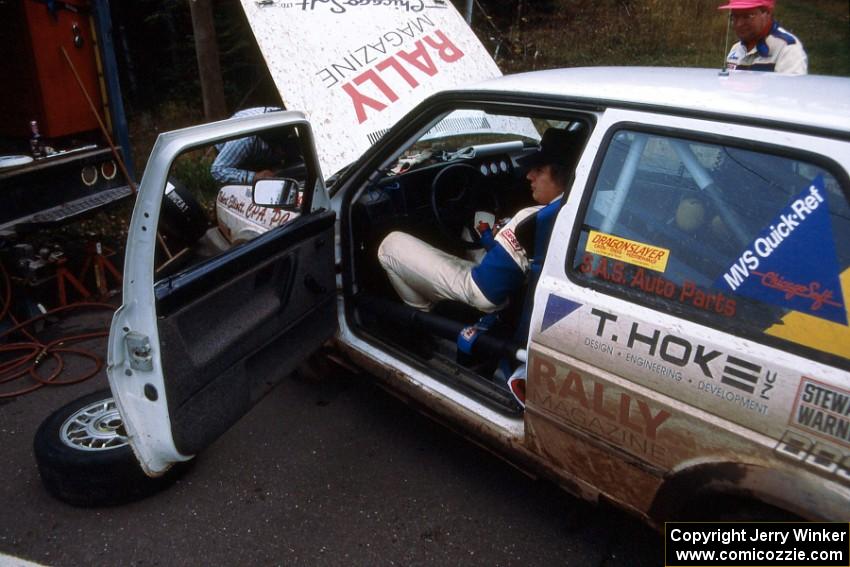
[(747, 241)]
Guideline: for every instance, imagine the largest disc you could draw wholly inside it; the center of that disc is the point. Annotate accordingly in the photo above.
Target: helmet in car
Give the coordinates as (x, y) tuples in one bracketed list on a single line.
[(690, 214)]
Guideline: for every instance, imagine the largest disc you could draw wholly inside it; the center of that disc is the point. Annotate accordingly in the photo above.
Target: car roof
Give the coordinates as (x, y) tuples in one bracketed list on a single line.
[(806, 100)]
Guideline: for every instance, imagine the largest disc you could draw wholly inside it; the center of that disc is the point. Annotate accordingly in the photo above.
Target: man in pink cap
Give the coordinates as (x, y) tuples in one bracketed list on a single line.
[(763, 44)]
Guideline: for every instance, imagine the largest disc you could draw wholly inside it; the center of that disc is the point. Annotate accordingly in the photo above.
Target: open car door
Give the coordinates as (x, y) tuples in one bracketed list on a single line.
[(192, 352)]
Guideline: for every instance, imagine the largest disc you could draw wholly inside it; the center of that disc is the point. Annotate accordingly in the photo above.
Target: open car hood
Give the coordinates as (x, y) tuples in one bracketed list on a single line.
[(355, 68)]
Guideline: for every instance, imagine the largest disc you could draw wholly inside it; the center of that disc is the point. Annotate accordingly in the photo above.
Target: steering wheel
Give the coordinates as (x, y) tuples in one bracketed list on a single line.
[(457, 192)]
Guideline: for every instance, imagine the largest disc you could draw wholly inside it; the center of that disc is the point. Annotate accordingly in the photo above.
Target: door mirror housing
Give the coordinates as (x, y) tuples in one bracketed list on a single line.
[(284, 193)]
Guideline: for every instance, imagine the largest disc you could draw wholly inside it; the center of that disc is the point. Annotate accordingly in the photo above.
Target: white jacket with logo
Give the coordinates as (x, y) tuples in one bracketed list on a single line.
[(780, 52)]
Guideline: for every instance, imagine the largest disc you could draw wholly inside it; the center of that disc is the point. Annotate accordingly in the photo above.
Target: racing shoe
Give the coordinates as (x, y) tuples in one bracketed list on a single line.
[(516, 384)]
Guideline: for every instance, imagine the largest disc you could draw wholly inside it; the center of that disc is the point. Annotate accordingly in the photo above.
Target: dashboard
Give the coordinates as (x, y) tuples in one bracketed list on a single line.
[(403, 199)]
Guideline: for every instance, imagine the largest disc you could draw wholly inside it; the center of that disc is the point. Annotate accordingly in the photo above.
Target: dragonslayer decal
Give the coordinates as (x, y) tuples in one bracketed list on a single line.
[(823, 410), (792, 263), (630, 251)]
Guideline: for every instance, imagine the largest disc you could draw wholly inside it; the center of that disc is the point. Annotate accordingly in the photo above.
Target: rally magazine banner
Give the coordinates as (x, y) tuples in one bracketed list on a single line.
[(355, 67)]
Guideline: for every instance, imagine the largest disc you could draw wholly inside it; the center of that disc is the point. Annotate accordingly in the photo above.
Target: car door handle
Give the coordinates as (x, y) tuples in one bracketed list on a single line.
[(313, 285)]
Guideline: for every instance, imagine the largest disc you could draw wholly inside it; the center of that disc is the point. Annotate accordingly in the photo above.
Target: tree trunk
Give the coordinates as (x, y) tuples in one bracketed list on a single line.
[(209, 68)]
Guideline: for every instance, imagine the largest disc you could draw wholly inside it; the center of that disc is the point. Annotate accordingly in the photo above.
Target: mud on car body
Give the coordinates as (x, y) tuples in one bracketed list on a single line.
[(684, 324)]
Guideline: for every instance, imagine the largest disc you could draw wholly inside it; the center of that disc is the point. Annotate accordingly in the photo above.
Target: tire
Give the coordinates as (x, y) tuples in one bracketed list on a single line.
[(84, 458), (183, 220)]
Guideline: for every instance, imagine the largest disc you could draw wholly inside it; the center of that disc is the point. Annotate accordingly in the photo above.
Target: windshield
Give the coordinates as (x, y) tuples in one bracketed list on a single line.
[(463, 128)]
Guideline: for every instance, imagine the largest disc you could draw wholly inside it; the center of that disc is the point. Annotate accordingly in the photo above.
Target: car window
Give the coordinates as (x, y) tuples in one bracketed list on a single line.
[(209, 206), (748, 241), (465, 128)]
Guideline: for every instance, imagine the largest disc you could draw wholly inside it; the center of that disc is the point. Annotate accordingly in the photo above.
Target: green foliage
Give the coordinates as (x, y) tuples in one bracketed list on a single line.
[(145, 125), (192, 170), (159, 63), (689, 33), (159, 74), (824, 28)]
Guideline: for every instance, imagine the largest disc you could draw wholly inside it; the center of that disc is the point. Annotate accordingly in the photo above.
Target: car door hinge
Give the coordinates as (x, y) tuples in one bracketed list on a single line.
[(139, 349)]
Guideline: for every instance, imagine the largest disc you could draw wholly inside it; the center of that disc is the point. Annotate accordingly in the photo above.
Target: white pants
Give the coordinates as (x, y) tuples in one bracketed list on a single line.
[(423, 275)]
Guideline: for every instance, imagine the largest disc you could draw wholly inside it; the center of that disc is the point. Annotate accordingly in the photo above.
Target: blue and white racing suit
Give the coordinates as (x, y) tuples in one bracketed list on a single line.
[(423, 275)]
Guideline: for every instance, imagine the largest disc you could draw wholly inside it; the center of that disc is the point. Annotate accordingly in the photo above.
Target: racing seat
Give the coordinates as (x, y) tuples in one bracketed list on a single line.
[(414, 330), (447, 320), (533, 234)]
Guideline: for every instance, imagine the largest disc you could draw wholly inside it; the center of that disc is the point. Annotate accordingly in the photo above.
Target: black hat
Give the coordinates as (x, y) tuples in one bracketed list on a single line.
[(558, 147)]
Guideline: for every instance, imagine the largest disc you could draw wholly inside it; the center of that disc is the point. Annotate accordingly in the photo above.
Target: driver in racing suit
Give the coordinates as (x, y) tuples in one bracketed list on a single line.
[(423, 275)]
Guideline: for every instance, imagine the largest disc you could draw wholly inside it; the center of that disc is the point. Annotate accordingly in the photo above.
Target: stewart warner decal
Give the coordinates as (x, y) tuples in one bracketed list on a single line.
[(823, 410), (781, 267)]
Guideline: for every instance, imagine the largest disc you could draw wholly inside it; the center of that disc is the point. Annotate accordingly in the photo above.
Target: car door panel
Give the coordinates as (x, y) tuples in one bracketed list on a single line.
[(225, 332), (190, 354)]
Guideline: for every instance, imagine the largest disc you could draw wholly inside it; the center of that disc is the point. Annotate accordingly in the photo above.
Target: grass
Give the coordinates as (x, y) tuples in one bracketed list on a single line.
[(685, 33), (824, 28), (145, 126)]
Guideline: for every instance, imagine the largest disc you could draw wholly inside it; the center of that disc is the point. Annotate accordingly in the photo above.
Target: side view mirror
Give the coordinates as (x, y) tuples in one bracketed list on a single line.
[(283, 193)]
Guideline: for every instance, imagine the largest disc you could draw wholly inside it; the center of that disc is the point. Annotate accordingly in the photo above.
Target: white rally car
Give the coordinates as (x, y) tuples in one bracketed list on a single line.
[(684, 323)]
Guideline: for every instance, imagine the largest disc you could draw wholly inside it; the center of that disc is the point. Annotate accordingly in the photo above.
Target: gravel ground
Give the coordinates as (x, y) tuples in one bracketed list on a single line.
[(319, 473)]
